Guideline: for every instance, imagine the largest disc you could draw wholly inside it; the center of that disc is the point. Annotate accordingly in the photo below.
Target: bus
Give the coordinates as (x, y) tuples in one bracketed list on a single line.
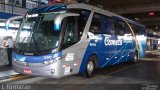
[(65, 39)]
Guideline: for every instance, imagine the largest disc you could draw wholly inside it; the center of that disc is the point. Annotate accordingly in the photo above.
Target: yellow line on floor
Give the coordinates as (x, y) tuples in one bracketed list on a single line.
[(15, 77)]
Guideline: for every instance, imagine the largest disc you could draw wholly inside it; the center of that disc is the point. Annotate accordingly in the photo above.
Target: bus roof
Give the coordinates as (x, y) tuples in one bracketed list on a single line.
[(64, 6), (48, 8)]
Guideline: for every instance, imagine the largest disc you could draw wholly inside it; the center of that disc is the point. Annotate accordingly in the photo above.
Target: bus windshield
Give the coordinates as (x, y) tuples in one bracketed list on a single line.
[(37, 33)]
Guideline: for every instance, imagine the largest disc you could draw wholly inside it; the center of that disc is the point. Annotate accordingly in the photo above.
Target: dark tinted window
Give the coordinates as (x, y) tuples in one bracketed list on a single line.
[(113, 26), (82, 19), (71, 32), (121, 28), (127, 30), (98, 24), (74, 27)]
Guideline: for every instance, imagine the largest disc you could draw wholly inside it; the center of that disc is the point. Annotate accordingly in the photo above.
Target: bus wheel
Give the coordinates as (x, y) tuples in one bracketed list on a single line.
[(136, 57), (90, 67)]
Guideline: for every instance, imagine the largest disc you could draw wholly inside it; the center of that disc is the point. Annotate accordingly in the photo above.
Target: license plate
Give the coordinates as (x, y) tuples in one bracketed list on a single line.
[(27, 71)]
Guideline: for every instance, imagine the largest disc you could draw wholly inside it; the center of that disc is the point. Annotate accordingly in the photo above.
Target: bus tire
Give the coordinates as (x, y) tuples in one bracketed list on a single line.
[(90, 66), (136, 57)]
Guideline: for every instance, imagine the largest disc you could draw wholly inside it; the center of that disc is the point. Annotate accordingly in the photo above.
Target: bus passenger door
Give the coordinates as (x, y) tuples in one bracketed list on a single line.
[(71, 44)]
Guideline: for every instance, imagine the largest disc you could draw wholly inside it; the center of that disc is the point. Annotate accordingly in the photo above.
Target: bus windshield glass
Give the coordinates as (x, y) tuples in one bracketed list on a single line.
[(37, 33)]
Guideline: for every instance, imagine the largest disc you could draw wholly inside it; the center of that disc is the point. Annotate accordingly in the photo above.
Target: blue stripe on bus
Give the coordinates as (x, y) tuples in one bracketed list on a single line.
[(47, 8), (35, 59), (38, 9), (57, 7)]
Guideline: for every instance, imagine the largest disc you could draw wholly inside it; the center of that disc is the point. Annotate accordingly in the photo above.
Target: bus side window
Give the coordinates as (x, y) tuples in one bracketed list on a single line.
[(95, 24), (108, 31), (82, 20), (127, 30), (98, 24), (103, 26), (71, 32), (121, 28), (114, 26)]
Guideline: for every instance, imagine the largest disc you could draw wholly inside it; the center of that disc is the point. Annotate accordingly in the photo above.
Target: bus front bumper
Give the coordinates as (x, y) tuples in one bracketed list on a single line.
[(38, 69)]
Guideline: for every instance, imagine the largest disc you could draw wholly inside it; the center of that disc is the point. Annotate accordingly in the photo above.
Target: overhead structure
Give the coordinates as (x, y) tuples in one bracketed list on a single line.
[(133, 9)]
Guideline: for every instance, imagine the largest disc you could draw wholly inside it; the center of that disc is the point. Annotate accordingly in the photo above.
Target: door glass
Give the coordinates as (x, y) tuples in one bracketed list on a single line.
[(71, 32)]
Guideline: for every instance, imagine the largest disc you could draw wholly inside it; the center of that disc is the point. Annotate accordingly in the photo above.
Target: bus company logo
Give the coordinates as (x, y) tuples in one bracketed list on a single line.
[(112, 42)]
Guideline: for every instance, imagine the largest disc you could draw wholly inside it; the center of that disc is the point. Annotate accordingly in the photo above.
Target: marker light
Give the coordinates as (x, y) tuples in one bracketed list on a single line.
[(151, 13)]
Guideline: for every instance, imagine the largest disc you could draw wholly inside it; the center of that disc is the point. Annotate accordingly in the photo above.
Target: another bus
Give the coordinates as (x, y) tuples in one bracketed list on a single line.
[(66, 39)]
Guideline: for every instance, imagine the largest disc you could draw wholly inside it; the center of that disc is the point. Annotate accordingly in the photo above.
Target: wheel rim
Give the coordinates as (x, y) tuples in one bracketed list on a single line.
[(90, 67)]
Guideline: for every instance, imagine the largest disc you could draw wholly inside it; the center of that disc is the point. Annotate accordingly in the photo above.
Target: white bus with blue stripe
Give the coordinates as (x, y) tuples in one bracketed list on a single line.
[(66, 39)]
